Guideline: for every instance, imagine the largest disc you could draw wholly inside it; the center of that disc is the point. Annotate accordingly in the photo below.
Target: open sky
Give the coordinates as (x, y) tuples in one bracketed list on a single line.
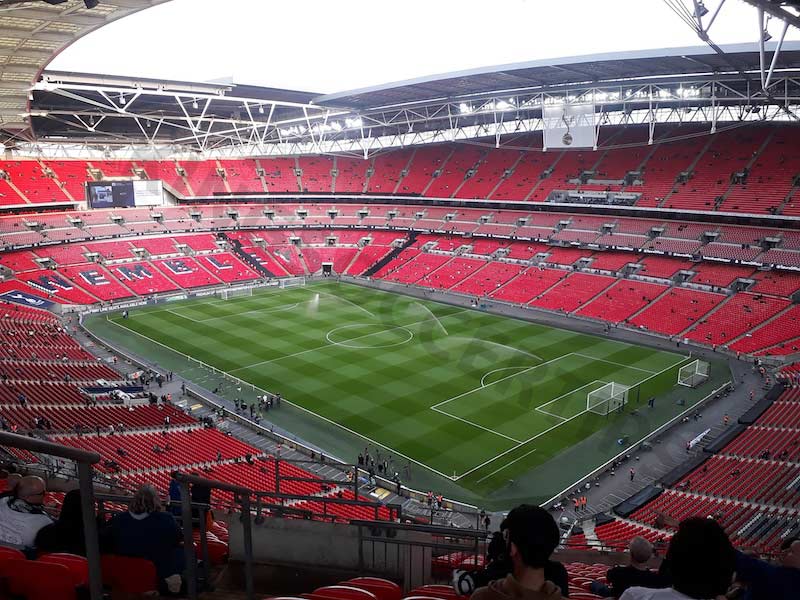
[(328, 46)]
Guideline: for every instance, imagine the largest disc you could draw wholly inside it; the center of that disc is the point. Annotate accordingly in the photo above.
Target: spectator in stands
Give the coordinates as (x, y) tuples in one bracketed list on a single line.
[(766, 581), (146, 532), (66, 534), (700, 562), (22, 514), (531, 535), (635, 574)]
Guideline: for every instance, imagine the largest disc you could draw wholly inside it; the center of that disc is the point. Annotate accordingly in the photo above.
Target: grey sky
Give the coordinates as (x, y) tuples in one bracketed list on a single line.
[(325, 46)]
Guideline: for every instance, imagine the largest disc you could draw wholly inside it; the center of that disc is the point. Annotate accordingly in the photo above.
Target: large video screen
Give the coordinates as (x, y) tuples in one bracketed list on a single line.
[(124, 194)]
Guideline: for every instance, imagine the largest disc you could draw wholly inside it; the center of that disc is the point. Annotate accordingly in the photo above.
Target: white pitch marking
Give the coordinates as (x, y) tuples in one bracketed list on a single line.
[(498, 381), (483, 379), (538, 435), (468, 422), (507, 465), (611, 362)]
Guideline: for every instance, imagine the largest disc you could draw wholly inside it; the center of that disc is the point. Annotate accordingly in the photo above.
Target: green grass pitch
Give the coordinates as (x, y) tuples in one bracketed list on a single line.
[(472, 397)]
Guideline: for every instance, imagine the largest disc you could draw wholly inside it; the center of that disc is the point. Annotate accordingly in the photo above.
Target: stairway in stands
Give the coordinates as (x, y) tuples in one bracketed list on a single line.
[(412, 236), (236, 248)]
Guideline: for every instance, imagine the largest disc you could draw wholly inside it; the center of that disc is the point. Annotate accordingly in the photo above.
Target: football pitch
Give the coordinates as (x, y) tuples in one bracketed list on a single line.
[(474, 398)]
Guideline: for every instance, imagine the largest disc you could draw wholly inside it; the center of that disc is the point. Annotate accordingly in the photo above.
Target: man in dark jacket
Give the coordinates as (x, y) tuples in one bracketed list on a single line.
[(531, 536)]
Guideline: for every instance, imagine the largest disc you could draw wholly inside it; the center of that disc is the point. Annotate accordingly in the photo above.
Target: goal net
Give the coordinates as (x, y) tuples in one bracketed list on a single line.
[(604, 400), (288, 282), (693, 374), (234, 293)]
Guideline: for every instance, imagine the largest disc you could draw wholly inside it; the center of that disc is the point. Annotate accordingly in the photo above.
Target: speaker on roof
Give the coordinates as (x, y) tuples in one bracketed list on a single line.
[(91, 3)]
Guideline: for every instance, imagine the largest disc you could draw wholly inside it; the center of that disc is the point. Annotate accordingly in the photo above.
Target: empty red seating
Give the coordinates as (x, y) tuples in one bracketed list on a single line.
[(528, 285), (622, 300), (770, 178), (782, 328), (67, 417), (388, 171), (204, 177), (339, 257), (781, 258), (186, 448), (729, 152), (73, 175), (566, 256), (367, 257), (739, 314), (489, 173), (97, 281), (142, 278), (453, 172), (126, 575), (779, 283), (156, 246), (571, 293), (316, 175), (351, 175), (719, 275), (452, 273), (426, 160), (490, 278), (612, 261), (676, 311), (185, 272), (421, 266), (38, 580), (663, 267), (36, 186), (227, 267), (242, 176), (50, 284), (279, 174), (167, 171)]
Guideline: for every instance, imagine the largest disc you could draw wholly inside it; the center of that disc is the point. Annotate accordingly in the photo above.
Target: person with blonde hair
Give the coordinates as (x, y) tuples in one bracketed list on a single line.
[(144, 531)]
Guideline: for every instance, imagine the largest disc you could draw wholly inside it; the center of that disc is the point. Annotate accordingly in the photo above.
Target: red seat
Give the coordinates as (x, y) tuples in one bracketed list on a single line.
[(382, 588), (78, 566), (344, 592), (38, 580), (7, 553), (444, 592), (128, 575)]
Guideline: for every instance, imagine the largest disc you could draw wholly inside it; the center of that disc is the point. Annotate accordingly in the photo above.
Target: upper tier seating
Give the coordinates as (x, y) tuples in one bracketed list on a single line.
[(676, 311), (622, 300), (739, 314), (573, 292)]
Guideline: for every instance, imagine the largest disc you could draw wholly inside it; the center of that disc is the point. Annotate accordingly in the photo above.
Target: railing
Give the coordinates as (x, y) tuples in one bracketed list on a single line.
[(84, 461)]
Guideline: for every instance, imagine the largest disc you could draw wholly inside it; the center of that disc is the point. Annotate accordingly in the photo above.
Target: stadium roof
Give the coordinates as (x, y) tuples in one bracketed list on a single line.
[(622, 67), (31, 34)]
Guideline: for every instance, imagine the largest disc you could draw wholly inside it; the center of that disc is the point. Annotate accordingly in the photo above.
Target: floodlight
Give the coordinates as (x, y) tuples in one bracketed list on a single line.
[(195, 105), (766, 36), (90, 4), (261, 109)]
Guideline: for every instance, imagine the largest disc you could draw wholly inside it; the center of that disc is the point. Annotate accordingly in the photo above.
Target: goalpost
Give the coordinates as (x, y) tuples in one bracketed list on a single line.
[(605, 400), (289, 282), (227, 294), (693, 374)]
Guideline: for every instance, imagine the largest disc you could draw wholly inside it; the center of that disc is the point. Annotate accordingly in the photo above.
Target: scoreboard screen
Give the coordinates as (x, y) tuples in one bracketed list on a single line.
[(124, 194)]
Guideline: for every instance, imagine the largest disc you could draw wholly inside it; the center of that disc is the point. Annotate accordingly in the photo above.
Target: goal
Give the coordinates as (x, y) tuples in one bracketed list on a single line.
[(227, 294), (605, 400), (693, 374), (288, 282)]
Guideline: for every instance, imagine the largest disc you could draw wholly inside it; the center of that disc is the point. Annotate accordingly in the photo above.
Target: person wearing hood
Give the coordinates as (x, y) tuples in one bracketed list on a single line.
[(531, 535), (66, 534)]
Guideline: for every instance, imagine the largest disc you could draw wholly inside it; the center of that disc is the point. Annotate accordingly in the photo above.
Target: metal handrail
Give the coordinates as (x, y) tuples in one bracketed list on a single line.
[(84, 461)]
